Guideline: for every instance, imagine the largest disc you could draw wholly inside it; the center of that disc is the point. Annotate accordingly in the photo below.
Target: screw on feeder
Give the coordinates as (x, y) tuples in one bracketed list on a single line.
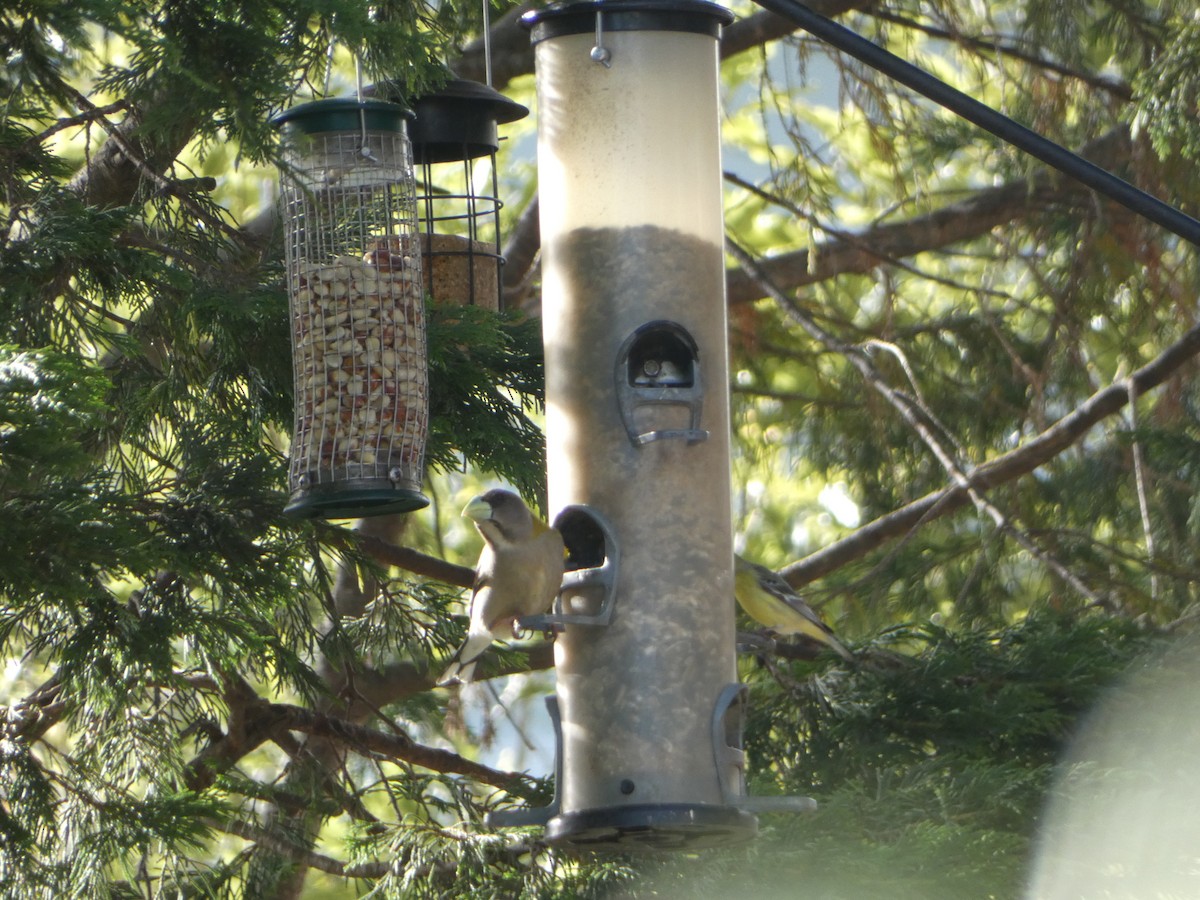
[(649, 745), (599, 52)]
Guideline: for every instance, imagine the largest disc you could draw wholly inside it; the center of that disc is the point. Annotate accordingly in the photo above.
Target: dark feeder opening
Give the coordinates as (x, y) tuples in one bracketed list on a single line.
[(659, 392), (588, 592), (662, 355), (584, 538), (357, 309), (460, 225)]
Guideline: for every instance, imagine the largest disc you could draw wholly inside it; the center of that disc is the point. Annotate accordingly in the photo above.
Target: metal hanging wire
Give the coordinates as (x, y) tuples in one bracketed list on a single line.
[(1008, 130), (487, 44)]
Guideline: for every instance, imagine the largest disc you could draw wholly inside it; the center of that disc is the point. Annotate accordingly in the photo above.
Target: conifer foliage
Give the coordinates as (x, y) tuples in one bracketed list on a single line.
[(965, 428)]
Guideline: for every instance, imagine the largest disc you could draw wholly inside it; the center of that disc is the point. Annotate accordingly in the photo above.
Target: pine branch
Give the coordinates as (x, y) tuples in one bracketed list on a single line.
[(396, 746), (32, 717), (953, 224), (164, 186), (251, 724), (90, 114), (917, 415), (301, 856), (512, 55), (114, 173), (1118, 89), (1025, 459), (761, 27), (254, 721), (398, 681)]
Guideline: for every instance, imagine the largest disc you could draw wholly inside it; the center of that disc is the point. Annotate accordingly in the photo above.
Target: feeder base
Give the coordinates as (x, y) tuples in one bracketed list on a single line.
[(338, 501), (653, 827)]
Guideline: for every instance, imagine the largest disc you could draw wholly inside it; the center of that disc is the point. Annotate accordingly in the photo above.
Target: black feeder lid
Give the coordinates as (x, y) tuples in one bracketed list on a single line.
[(579, 17), (653, 828), (458, 121)]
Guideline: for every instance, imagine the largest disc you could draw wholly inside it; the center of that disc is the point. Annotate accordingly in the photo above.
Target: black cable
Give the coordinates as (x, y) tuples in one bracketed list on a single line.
[(985, 117)]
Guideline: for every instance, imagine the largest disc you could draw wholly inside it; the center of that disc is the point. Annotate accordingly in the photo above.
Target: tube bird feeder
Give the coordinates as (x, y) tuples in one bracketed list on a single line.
[(357, 309), (637, 423)]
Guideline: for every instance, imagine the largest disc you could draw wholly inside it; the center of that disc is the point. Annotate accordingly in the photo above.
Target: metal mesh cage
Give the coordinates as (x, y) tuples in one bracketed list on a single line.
[(357, 312), (454, 139), (461, 236)]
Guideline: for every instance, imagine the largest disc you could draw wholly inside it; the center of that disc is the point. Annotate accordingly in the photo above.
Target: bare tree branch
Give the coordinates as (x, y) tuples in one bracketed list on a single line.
[(1118, 88), (512, 55), (1007, 467), (970, 218), (396, 746), (416, 562), (919, 418), (297, 854), (762, 27)]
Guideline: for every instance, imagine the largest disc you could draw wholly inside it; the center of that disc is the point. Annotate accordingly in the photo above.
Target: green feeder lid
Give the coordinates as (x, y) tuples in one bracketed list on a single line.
[(338, 501), (345, 114)]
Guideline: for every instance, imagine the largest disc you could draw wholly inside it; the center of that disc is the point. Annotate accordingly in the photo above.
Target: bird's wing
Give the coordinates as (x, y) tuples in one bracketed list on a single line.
[(794, 615), (526, 577), (769, 599), (551, 560)]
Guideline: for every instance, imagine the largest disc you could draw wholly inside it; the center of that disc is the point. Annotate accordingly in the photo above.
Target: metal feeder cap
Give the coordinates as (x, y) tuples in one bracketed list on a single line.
[(458, 121), (345, 114), (559, 19)]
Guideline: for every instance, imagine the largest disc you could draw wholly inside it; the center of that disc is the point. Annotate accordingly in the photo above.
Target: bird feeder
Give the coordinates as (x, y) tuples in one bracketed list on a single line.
[(353, 258), (454, 139), (637, 422)]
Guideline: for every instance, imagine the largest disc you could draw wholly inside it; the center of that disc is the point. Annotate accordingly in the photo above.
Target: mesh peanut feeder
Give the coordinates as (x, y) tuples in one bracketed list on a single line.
[(357, 309)]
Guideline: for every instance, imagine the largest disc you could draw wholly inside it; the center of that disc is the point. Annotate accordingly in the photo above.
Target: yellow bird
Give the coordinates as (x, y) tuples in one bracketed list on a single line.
[(519, 573), (770, 600)]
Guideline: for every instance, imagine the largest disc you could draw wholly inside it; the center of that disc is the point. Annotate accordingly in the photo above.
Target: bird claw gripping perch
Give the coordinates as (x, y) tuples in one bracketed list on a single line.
[(527, 626)]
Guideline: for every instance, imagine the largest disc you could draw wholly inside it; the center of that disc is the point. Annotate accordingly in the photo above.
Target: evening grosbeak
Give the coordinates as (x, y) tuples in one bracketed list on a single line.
[(518, 574), (770, 600)]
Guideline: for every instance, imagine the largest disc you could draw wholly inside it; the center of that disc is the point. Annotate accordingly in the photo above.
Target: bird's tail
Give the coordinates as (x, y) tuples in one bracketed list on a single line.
[(461, 669), (840, 649)]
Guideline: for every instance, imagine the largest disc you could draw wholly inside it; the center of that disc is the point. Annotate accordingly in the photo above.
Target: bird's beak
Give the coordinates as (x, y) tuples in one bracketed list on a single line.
[(478, 509)]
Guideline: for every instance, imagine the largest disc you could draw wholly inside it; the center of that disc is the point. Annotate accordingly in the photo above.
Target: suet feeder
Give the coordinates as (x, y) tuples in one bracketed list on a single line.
[(353, 256), (455, 137), (648, 708)]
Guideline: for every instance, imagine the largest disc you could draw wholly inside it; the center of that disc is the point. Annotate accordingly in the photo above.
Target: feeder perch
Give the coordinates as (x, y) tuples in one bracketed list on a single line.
[(589, 586), (348, 196), (633, 300), (455, 130)]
